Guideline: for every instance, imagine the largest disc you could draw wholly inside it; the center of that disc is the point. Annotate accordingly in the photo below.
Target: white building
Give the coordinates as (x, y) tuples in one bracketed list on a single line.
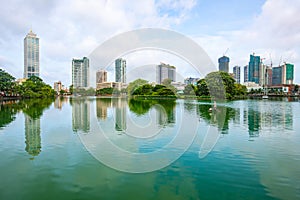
[(80, 73), (31, 55)]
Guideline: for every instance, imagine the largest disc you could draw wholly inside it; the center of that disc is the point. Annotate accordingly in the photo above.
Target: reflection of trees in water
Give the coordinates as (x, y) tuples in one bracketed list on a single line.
[(165, 108), (8, 110), (219, 117)]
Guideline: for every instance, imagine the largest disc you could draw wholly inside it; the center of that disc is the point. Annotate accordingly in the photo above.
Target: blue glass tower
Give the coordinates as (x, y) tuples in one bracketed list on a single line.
[(253, 69)]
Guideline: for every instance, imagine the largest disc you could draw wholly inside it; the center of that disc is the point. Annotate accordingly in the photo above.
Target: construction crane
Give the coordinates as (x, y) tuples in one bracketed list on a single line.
[(225, 52), (280, 60), (271, 60)]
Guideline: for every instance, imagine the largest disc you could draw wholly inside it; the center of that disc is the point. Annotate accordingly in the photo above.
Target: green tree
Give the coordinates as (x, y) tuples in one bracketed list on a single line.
[(240, 90), (6, 82), (189, 90), (202, 88), (134, 85), (220, 84), (105, 91)]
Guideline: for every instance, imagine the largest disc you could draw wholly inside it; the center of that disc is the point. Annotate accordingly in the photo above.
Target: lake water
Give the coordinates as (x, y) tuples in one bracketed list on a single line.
[(93, 148)]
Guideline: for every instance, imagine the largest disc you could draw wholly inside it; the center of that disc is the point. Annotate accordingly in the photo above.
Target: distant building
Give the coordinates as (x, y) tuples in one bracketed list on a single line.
[(245, 73), (115, 85), (80, 73), (120, 70), (224, 64), (31, 55), (57, 87), (192, 81), (283, 74), (237, 73), (165, 71), (101, 76), (269, 75), (253, 69)]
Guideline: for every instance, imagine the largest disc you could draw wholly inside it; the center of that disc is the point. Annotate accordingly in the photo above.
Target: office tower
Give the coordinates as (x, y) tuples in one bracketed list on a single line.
[(253, 69), (101, 76), (288, 73), (283, 74), (262, 74), (224, 64), (269, 74), (31, 55), (165, 71), (245, 73), (80, 73), (120, 70), (237, 73)]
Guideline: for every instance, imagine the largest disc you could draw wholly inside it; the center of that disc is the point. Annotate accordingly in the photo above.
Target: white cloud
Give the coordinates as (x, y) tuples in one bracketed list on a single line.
[(70, 29)]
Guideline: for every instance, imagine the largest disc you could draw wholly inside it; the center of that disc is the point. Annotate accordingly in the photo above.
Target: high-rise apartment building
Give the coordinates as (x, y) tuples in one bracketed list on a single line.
[(283, 74), (80, 73), (120, 70), (165, 71), (246, 74), (101, 76), (253, 69), (224, 64), (237, 73), (31, 55)]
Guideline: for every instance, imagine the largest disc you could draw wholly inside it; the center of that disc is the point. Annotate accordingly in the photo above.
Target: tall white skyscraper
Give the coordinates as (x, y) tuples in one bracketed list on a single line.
[(120, 66), (237, 73), (81, 73), (31, 55)]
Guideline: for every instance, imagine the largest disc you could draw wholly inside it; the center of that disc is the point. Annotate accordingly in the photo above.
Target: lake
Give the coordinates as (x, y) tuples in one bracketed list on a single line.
[(114, 148)]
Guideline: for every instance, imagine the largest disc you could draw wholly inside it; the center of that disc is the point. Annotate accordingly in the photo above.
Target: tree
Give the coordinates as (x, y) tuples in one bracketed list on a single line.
[(189, 90), (240, 90), (6, 82), (202, 88), (220, 84), (134, 85)]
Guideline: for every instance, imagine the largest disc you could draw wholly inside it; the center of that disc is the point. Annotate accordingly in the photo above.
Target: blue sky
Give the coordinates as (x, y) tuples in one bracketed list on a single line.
[(73, 29)]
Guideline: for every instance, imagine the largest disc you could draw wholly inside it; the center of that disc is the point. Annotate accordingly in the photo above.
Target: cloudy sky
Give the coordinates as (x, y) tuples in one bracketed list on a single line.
[(73, 29)]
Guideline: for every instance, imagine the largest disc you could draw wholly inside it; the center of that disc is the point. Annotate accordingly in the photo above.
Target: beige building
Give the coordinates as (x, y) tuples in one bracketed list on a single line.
[(101, 76)]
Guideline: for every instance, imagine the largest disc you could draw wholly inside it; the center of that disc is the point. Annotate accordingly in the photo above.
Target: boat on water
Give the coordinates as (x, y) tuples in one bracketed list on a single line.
[(265, 96)]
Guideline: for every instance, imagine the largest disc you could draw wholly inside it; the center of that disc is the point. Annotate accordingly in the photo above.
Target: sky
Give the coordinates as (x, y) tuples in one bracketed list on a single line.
[(73, 29)]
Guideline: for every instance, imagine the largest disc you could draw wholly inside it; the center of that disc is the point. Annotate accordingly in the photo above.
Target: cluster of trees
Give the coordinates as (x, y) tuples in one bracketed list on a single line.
[(34, 87), (157, 90), (218, 85)]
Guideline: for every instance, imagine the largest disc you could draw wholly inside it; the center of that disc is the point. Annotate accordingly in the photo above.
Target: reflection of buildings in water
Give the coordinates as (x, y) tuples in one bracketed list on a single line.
[(81, 115), (32, 136), (267, 117), (58, 103), (102, 105), (165, 116), (120, 114)]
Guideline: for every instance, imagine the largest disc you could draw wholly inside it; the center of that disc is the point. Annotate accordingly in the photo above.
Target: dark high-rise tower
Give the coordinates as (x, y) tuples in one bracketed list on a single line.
[(224, 64)]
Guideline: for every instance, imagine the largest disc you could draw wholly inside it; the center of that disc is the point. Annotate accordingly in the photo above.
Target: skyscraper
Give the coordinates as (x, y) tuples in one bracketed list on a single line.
[(31, 55), (245, 73), (165, 71), (101, 76), (120, 70), (80, 73), (253, 69), (224, 64), (237, 73), (283, 74)]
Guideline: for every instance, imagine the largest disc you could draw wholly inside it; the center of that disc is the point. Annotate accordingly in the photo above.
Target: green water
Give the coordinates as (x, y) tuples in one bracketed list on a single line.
[(89, 148)]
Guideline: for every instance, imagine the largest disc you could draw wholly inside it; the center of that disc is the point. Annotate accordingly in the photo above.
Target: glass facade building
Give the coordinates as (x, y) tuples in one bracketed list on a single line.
[(224, 64), (120, 70), (253, 69), (31, 55), (237, 73), (80, 73)]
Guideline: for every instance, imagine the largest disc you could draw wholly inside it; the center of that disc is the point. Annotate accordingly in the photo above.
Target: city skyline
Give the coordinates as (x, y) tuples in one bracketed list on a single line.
[(235, 27)]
